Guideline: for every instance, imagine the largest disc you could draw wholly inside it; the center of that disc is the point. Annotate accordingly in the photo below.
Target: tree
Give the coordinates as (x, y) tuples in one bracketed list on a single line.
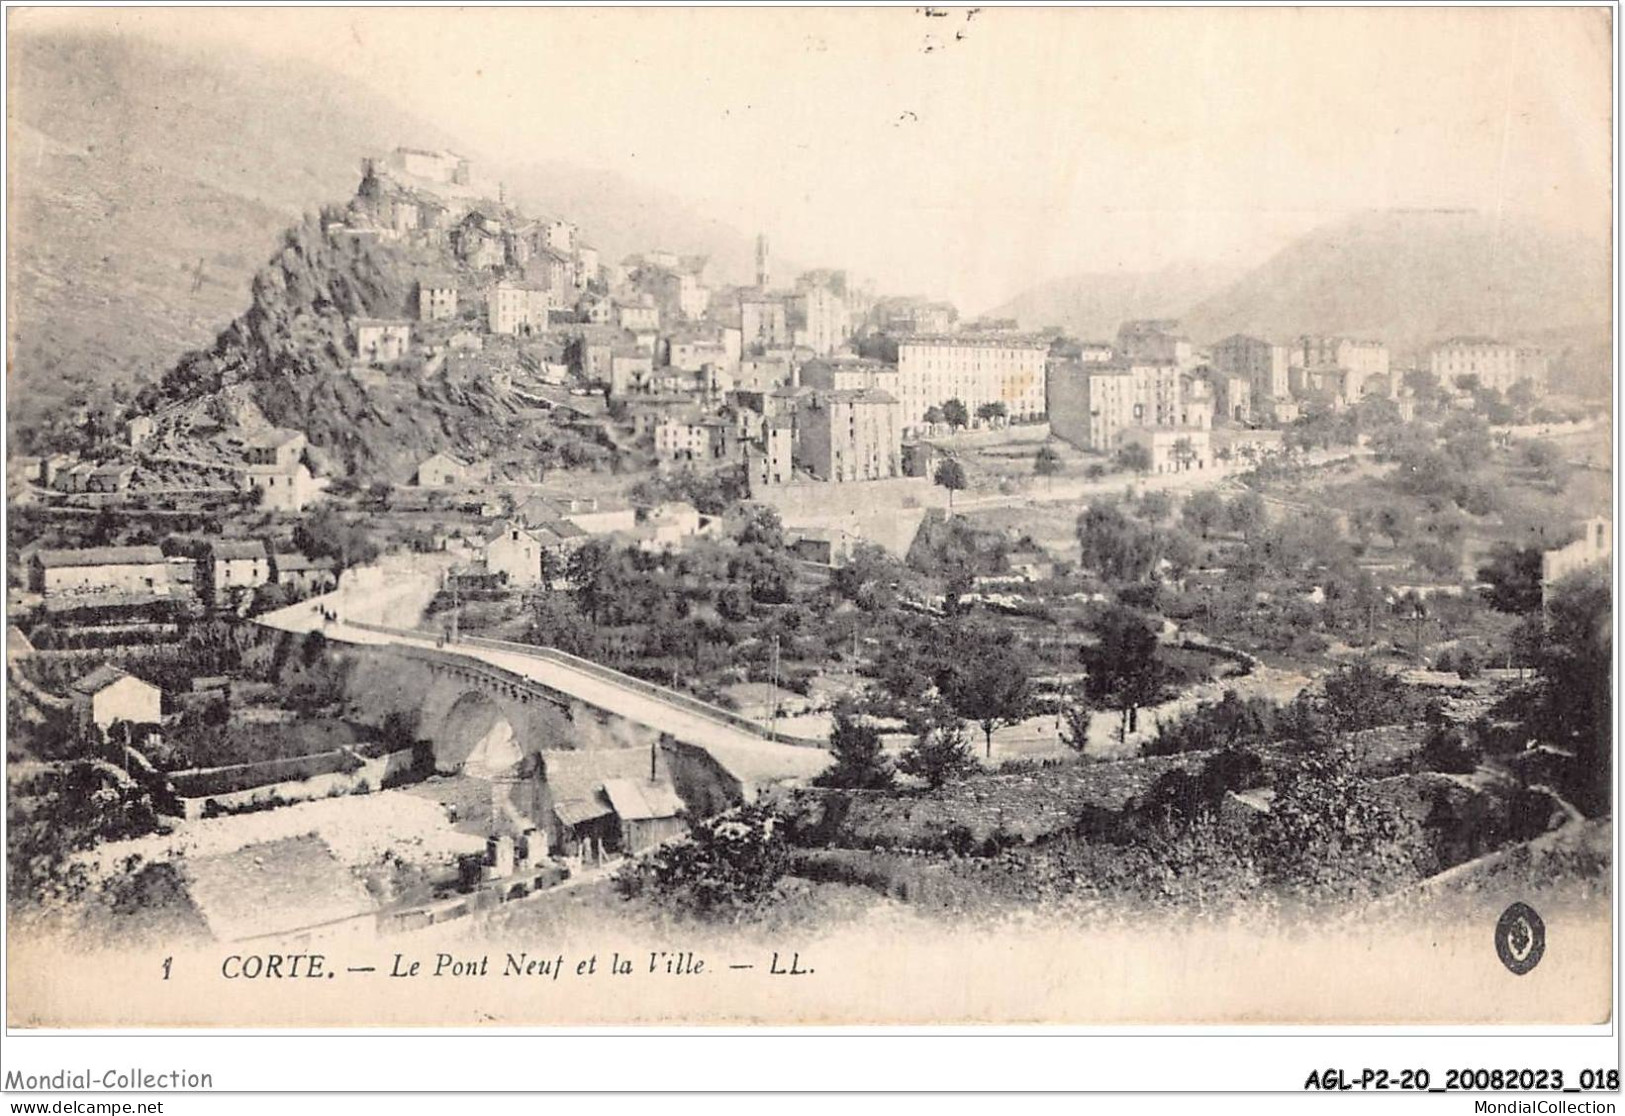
[(762, 527), (587, 567), (990, 686), (1246, 514), (1574, 667), (987, 412), (1134, 458), (1048, 462), (860, 763), (1392, 524), (955, 414), (934, 416), (939, 753), (326, 533), (1184, 453), (1327, 832), (1362, 695), (1203, 511), (1116, 547), (1513, 579), (1125, 670), (727, 866), (1154, 507), (868, 576), (1076, 716), (951, 475)]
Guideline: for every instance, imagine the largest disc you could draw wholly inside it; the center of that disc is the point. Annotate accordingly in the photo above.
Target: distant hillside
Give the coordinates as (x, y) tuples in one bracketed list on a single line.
[(1410, 278), (1091, 306), (149, 183)]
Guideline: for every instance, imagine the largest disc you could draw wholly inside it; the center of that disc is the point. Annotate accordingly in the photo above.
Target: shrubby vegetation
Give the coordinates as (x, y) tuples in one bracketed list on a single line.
[(728, 866)]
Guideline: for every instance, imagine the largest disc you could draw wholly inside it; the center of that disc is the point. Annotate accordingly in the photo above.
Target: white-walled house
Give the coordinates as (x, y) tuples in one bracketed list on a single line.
[(108, 694)]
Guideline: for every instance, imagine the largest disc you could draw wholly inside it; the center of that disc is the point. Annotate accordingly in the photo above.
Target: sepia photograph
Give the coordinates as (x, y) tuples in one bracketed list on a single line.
[(764, 517)]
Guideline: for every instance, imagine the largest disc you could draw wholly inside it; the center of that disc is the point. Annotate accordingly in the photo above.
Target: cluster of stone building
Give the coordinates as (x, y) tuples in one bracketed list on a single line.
[(271, 465), (218, 572), (1154, 388)]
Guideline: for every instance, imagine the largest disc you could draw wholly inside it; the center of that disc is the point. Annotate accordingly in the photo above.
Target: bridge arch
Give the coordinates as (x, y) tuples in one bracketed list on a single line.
[(474, 718)]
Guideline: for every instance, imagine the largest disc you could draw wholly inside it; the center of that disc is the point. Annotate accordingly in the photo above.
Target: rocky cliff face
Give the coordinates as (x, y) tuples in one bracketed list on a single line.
[(290, 353)]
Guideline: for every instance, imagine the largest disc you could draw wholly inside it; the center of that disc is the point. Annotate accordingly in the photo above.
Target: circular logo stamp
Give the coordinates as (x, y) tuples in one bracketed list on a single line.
[(1520, 938)]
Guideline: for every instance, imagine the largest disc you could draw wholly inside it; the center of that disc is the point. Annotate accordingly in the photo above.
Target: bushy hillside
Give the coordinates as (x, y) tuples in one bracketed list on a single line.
[(1091, 306), (1413, 277)]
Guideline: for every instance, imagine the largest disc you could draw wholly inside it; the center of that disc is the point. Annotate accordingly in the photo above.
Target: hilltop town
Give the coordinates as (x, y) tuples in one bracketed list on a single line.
[(468, 567)]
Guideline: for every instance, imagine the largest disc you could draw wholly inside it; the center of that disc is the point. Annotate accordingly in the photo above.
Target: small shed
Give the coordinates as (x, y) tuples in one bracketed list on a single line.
[(108, 694), (649, 812)]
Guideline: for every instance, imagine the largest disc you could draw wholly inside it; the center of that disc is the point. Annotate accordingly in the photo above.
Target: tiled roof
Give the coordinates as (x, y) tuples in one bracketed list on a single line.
[(100, 556), (234, 549), (640, 800), (99, 679)]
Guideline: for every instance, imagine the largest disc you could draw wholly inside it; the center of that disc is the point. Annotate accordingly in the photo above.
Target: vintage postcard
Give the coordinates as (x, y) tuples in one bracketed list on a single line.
[(879, 516)]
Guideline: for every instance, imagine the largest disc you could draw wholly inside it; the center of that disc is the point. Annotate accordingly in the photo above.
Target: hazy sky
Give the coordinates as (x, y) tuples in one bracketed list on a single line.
[(970, 156)]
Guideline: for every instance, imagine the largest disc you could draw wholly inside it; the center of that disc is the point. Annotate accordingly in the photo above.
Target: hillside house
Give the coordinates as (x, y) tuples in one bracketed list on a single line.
[(824, 546), (277, 446), (691, 440), (76, 478), (437, 299), (442, 470), (54, 466), (515, 552), (139, 430), (100, 569), (516, 308), (110, 478), (631, 368), (237, 565), (284, 489), (305, 576), (382, 340), (671, 524), (108, 694), (1594, 547)]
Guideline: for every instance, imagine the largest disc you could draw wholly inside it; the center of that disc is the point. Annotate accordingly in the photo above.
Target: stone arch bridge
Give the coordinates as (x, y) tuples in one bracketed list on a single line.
[(465, 690)]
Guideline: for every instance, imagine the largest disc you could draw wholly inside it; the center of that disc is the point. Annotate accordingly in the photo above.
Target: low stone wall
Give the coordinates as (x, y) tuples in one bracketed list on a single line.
[(813, 500), (371, 774)]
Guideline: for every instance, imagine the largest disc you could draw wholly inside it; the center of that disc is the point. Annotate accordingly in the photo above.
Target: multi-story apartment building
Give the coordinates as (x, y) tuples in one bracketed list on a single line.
[(1496, 364), (437, 299), (1093, 405), (1155, 340), (774, 463), (826, 324), (1339, 366), (688, 439), (850, 436), (1233, 397), (975, 369), (1266, 366), (848, 373), (763, 321), (514, 308)]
